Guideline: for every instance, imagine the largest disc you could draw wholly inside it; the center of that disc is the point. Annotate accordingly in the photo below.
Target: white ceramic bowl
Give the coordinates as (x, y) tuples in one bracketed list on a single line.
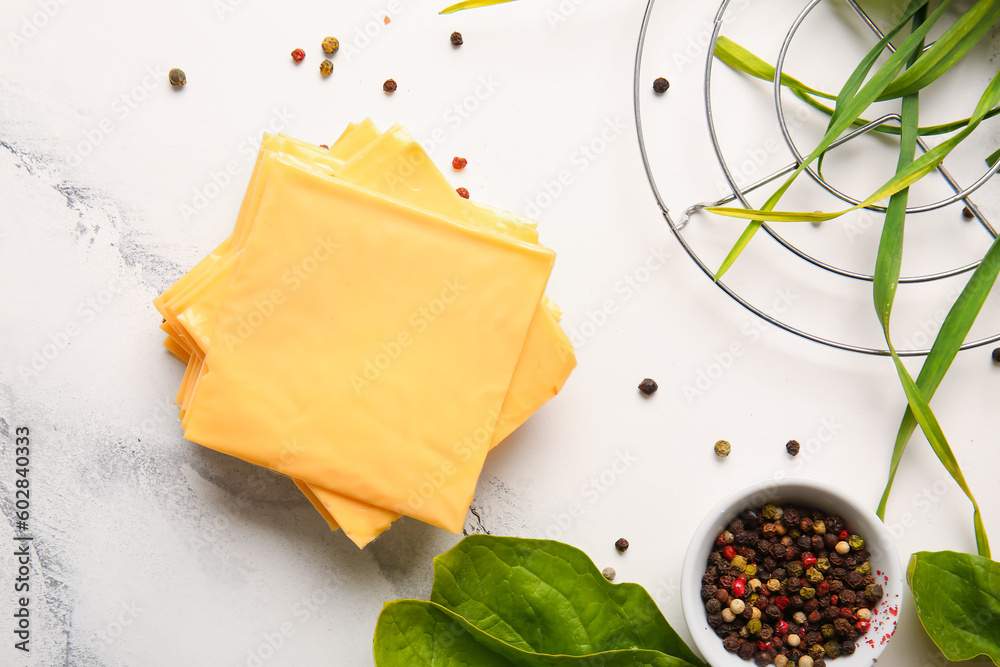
[(808, 493)]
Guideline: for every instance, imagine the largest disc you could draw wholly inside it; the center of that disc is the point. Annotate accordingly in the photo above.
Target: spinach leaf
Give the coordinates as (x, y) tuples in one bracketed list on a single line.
[(416, 633), (548, 597), (958, 601)]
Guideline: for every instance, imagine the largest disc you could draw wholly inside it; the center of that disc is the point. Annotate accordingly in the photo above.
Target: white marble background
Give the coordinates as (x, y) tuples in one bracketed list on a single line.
[(150, 550)]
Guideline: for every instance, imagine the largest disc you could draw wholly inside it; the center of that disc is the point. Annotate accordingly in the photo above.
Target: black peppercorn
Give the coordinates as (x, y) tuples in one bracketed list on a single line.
[(621, 545), (731, 644), (176, 77), (389, 86), (715, 620), (996, 356), (847, 648), (967, 213), (792, 447), (456, 39), (746, 650), (648, 386), (660, 85), (713, 606)]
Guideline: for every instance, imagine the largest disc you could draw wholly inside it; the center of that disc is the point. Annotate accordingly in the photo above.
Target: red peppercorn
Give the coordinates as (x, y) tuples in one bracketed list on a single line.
[(459, 163), (846, 612), (862, 626), (823, 587), (720, 540), (808, 559), (834, 600), (782, 601), (739, 587), (298, 55), (844, 535), (763, 646), (781, 628), (462, 192), (729, 552)]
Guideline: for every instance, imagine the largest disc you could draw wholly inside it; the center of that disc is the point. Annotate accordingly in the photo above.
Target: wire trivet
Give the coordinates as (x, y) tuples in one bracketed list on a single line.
[(739, 194)]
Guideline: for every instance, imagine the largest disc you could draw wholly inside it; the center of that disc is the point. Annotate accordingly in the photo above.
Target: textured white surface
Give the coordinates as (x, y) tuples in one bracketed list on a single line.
[(150, 550)]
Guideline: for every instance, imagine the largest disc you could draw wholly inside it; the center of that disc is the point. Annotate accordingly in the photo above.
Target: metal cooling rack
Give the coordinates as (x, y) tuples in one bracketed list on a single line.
[(738, 194)]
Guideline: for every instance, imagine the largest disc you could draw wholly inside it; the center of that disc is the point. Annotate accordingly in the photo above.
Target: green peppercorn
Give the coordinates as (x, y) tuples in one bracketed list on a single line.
[(823, 565), (795, 569), (827, 630), (832, 649), (816, 651), (769, 511), (864, 569), (751, 570), (856, 542), (874, 592), (773, 585), (722, 449), (807, 593), (814, 576), (753, 626), (819, 527), (326, 67), (331, 45), (177, 77)]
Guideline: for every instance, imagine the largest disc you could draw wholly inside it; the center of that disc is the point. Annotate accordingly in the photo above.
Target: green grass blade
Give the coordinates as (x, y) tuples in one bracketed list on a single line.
[(947, 343), (992, 159), (743, 60), (851, 111), (947, 50), (471, 4)]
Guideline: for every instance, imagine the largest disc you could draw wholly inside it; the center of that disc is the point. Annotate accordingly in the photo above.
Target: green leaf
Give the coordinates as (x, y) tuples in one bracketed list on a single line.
[(416, 633), (947, 50), (949, 340), (548, 597), (471, 4), (847, 112), (958, 602), (992, 159)]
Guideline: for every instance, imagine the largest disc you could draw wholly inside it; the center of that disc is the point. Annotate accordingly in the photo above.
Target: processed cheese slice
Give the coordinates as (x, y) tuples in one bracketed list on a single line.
[(458, 302), (546, 358)]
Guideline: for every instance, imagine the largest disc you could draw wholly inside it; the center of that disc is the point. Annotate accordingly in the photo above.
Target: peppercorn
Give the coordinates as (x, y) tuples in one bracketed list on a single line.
[(621, 544), (856, 542), (722, 596), (708, 591), (648, 387), (609, 573), (456, 39), (864, 614), (807, 593), (714, 620), (792, 447), (177, 77), (793, 640), (805, 661), (298, 55), (967, 213), (459, 163), (389, 86), (847, 648), (823, 565), (463, 193), (874, 593), (731, 644), (713, 606), (740, 563), (746, 651), (769, 511), (326, 67), (737, 606), (816, 651), (996, 356), (728, 616), (842, 548), (660, 85), (331, 45), (780, 661), (722, 449), (854, 579)]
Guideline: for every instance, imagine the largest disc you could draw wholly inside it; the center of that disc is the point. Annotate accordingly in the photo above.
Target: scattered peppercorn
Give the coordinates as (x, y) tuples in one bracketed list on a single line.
[(326, 67), (660, 85), (648, 386), (463, 193), (459, 163), (456, 39), (609, 573), (389, 86), (792, 447), (996, 356), (967, 213), (621, 545), (722, 449), (177, 77), (298, 55), (331, 45), (324, 146)]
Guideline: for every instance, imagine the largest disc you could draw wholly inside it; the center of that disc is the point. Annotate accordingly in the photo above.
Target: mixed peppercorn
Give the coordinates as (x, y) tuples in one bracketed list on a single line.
[(789, 586)]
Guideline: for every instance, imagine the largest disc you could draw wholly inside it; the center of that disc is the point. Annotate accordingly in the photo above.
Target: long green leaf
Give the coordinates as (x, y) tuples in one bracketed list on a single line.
[(852, 109), (949, 340), (904, 178), (947, 50), (471, 4), (992, 159)]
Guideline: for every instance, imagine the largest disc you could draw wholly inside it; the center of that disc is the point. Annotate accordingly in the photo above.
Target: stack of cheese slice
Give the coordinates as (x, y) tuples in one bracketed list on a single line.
[(366, 331)]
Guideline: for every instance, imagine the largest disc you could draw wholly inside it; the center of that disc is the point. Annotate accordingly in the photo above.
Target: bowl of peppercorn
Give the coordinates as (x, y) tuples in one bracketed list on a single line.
[(791, 573)]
